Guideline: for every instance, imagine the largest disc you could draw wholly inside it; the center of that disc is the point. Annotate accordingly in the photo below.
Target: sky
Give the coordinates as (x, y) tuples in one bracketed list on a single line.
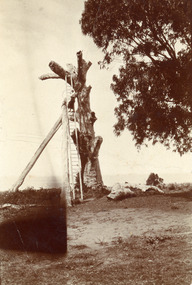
[(32, 34)]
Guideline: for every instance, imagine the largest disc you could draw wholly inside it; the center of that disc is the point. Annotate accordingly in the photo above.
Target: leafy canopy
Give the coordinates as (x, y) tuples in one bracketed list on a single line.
[(154, 84)]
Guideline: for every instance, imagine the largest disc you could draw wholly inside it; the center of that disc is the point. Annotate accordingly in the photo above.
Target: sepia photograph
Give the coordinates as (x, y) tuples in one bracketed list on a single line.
[(96, 142)]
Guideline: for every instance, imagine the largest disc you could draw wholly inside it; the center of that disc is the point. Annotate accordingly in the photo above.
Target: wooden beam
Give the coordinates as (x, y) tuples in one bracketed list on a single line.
[(33, 160), (49, 76), (65, 75), (56, 68), (65, 192)]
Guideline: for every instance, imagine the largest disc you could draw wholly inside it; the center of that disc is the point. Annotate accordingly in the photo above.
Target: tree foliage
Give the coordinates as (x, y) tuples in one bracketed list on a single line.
[(154, 84)]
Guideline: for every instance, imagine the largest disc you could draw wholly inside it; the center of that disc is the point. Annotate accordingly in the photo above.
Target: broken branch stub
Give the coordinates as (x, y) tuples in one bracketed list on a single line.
[(83, 67)]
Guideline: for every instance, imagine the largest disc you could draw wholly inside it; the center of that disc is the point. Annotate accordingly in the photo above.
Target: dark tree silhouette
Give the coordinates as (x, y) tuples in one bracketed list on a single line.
[(154, 85)]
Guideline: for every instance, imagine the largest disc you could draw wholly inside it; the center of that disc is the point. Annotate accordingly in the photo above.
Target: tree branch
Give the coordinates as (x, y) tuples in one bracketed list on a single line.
[(164, 43), (62, 73), (154, 28), (163, 55), (65, 75), (49, 76), (170, 47)]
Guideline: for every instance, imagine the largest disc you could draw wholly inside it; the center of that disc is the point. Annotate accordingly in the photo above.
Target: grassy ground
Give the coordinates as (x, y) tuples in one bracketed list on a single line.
[(141, 240)]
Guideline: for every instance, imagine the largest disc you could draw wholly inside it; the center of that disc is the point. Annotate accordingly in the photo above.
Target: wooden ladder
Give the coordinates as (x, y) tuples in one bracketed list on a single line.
[(73, 150)]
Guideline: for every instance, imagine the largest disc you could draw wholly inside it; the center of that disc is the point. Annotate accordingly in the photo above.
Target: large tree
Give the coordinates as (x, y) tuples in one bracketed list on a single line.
[(154, 84)]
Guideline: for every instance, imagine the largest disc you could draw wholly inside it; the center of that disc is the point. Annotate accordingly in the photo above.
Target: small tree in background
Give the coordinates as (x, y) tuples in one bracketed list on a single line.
[(154, 179)]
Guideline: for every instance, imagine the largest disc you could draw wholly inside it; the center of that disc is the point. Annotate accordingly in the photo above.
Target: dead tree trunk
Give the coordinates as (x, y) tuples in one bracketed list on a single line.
[(89, 144)]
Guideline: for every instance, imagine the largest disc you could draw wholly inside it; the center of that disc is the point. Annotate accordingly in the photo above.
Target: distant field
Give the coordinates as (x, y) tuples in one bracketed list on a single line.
[(109, 180)]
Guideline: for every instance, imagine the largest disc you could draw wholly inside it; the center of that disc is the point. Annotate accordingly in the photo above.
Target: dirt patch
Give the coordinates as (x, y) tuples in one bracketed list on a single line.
[(141, 240), (102, 221)]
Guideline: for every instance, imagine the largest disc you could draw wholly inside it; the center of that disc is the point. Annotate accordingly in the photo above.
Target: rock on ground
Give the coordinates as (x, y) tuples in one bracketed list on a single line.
[(127, 190)]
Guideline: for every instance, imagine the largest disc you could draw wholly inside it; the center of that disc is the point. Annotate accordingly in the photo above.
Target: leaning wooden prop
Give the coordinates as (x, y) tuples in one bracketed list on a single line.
[(88, 144)]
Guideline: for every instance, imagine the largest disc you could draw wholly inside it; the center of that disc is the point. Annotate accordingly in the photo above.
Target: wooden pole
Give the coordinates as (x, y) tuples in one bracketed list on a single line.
[(33, 160), (77, 144), (65, 192)]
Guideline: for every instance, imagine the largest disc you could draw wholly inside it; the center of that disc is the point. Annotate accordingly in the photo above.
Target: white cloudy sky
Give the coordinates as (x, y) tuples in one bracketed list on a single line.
[(32, 34)]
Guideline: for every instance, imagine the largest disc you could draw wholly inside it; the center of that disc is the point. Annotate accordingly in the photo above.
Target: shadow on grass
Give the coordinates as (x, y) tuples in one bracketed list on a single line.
[(40, 229)]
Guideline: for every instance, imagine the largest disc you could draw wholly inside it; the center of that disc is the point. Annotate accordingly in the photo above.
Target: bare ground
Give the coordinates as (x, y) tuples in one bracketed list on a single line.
[(141, 240)]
